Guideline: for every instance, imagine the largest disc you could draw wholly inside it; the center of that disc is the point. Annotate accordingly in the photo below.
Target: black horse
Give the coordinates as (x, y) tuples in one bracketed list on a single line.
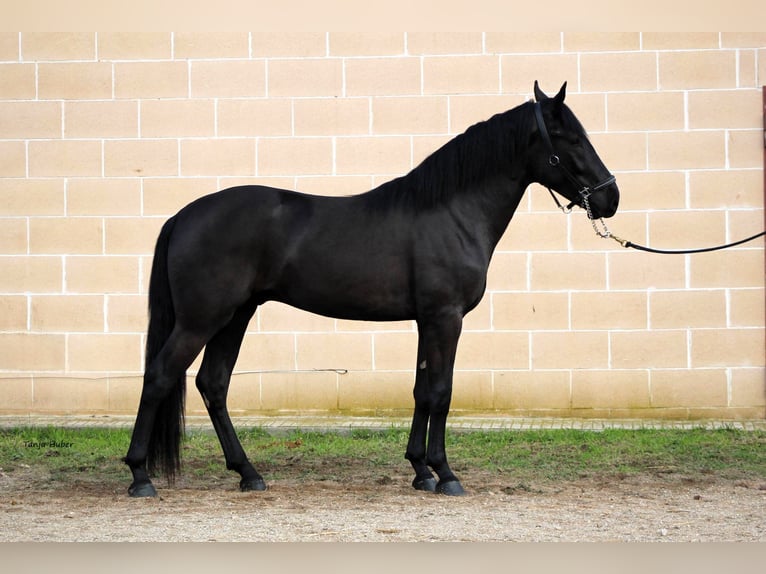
[(417, 247)]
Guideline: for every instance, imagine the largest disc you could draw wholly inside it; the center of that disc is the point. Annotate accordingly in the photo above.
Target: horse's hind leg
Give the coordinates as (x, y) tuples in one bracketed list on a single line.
[(213, 384)]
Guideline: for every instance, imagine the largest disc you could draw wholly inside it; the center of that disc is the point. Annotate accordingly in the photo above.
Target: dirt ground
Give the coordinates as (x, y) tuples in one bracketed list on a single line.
[(637, 508)]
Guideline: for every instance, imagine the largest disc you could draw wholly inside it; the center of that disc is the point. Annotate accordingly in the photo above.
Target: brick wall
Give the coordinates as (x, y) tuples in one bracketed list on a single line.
[(103, 136)]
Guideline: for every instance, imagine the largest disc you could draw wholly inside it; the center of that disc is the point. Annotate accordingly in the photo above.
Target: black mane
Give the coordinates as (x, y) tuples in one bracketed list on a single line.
[(482, 152)]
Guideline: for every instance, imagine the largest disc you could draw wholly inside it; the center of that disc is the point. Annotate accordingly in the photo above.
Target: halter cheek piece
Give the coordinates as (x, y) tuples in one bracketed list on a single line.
[(584, 191)]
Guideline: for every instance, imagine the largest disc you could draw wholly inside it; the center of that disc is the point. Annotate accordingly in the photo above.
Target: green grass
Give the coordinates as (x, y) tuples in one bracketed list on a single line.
[(89, 456)]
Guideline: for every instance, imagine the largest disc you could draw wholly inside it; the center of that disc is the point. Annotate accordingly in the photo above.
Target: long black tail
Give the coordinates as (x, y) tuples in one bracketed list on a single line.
[(164, 449)]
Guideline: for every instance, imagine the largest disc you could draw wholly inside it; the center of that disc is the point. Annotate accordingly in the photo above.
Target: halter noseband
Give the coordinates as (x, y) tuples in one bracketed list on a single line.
[(585, 191)]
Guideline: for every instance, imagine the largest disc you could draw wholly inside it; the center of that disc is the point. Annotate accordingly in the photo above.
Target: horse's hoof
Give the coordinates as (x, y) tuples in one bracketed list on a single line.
[(425, 484), (247, 485), (451, 488), (142, 490)]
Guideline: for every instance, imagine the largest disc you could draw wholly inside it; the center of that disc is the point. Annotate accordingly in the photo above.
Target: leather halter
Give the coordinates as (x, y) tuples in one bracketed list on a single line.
[(584, 191)]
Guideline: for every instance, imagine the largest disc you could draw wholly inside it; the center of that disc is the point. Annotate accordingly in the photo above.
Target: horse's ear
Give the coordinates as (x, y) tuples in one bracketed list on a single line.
[(539, 94), (559, 98)]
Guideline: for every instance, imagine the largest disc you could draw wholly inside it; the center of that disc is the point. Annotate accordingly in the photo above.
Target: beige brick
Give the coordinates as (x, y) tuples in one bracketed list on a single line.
[(220, 79), (421, 115), (31, 197), (570, 350), (295, 156), (522, 42), (496, 350), (649, 349), (165, 196), (618, 72), (254, 118), (628, 225), (134, 45), (535, 232), (30, 120), (104, 352), (277, 317), (530, 311), (324, 117), (687, 150), (689, 388), (9, 46), (748, 69), (64, 158), (211, 45), (31, 352), (761, 74), (13, 313), (13, 236), (424, 145), (218, 157), (63, 395), (679, 40), (531, 390), (728, 347), (686, 229), (177, 118), (480, 317), (110, 119), (460, 75), (621, 151), (429, 43), (725, 189), (743, 39), (366, 44), (374, 391), (132, 235), (590, 110), (687, 309), (101, 274), (646, 111), (748, 387), (743, 222), (294, 391), (17, 82), (610, 310), (151, 80), (33, 274), (352, 351), (395, 351), (58, 46), (601, 41), (472, 392), (334, 185), (555, 271), (652, 190), (725, 109), (729, 268), (373, 155), (125, 394), (305, 77), (140, 158), (467, 110), (382, 76), (507, 271), (103, 197), (520, 72), (74, 81), (65, 235), (13, 159), (17, 395), (697, 70), (349, 326), (610, 389), (267, 352), (745, 149), (126, 313), (634, 270), (67, 313), (747, 307), (289, 44)]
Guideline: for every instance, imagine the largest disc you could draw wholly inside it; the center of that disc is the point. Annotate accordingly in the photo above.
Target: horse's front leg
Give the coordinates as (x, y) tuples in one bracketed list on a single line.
[(416, 446), (441, 339)]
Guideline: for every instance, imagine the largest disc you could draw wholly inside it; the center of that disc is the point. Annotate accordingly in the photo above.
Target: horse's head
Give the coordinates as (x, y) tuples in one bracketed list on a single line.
[(563, 159)]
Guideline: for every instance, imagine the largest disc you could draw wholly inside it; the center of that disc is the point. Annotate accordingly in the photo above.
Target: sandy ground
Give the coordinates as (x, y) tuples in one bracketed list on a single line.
[(645, 508)]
